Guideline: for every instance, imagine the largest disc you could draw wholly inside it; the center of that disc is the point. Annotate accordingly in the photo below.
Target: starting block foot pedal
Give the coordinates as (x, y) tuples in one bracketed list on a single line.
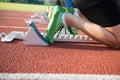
[(34, 37)]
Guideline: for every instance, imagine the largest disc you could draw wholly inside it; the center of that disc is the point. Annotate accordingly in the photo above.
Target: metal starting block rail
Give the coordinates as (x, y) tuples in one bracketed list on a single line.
[(34, 37)]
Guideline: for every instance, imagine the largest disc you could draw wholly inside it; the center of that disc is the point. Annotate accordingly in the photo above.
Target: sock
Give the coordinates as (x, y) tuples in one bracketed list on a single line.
[(64, 22)]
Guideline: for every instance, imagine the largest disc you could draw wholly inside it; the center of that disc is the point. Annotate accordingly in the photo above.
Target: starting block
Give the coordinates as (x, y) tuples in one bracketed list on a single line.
[(31, 37), (34, 37), (38, 15), (11, 36), (39, 18)]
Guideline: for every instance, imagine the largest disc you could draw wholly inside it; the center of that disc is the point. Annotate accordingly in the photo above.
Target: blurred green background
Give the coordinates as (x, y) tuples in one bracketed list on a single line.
[(26, 5), (39, 2)]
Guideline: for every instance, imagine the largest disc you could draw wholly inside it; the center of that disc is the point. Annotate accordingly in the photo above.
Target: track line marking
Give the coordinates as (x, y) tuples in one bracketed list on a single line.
[(33, 76), (18, 27), (11, 18)]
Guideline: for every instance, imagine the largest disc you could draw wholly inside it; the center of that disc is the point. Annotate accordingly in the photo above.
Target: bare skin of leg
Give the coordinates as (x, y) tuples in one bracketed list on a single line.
[(108, 36)]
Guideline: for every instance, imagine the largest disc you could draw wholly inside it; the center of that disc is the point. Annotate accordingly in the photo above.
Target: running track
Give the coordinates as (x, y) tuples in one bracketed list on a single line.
[(58, 58)]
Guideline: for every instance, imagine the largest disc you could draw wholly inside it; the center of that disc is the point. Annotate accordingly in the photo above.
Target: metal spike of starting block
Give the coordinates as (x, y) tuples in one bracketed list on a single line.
[(34, 37)]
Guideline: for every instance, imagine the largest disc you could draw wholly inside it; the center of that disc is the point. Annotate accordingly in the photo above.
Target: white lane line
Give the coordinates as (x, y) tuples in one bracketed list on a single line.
[(33, 76), (18, 27), (11, 18)]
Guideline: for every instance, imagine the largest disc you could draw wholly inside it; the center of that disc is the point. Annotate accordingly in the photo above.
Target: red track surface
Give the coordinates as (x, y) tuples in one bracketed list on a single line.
[(78, 58)]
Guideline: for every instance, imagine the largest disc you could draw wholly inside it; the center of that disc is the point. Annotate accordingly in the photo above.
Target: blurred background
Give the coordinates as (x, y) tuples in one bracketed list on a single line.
[(38, 2)]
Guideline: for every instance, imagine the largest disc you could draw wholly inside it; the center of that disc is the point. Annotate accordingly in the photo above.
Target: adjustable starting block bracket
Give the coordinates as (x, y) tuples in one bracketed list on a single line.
[(34, 37), (12, 35), (76, 38)]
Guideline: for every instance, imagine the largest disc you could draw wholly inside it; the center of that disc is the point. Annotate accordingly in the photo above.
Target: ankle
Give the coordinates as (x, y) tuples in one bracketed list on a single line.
[(66, 16)]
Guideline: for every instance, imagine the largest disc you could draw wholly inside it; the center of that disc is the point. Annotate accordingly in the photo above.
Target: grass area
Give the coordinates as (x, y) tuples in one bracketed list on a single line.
[(23, 7)]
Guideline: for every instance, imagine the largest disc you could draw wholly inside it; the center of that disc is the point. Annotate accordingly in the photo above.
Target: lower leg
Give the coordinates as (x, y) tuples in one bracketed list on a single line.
[(93, 30)]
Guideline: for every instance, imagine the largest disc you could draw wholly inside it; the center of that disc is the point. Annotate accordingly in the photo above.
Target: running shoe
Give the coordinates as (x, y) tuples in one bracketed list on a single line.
[(55, 23)]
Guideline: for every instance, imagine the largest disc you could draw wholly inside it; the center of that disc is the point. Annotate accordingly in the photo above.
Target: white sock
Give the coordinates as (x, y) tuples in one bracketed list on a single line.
[(76, 13), (64, 22)]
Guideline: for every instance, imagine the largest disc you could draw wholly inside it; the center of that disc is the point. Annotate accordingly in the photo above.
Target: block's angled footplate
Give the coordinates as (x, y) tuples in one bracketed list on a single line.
[(34, 37)]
